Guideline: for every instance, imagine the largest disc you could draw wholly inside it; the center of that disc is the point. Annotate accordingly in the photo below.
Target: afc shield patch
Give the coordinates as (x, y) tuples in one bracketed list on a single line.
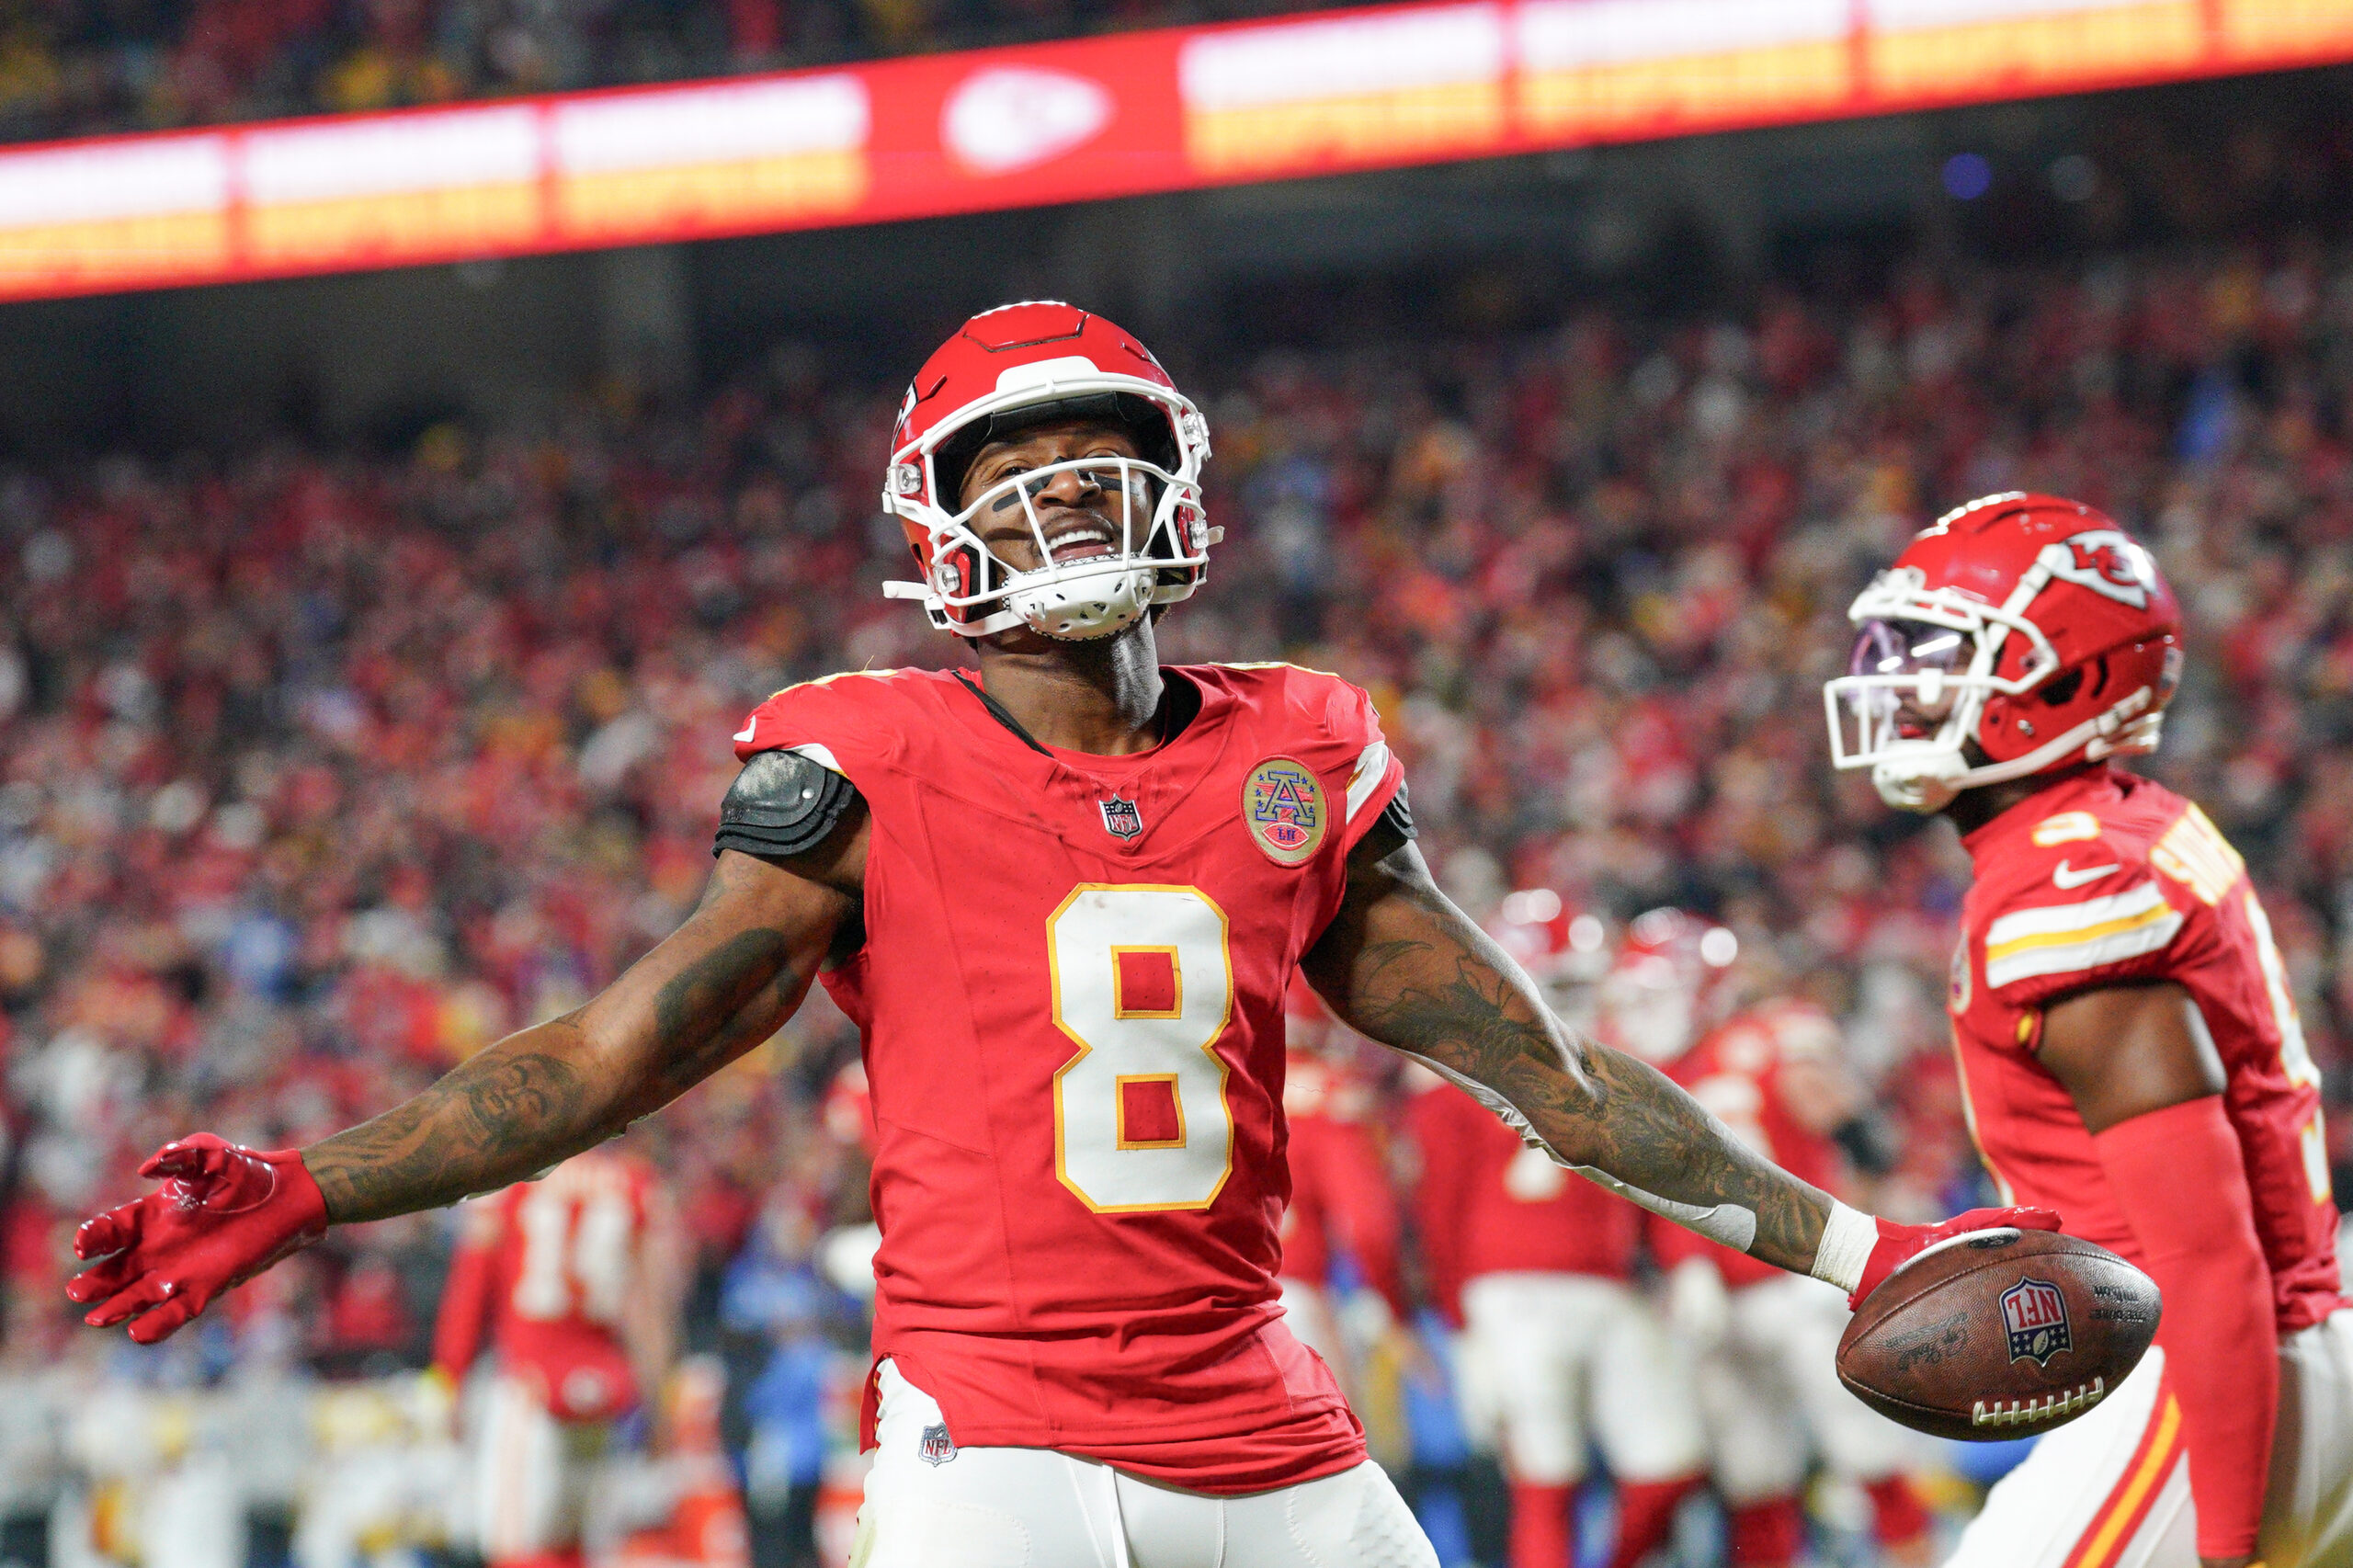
[(1120, 818), (2035, 1315), (938, 1448), (1283, 806)]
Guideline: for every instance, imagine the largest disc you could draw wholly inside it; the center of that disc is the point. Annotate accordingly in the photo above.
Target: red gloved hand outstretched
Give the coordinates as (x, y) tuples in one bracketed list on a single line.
[(1899, 1245), (222, 1214)]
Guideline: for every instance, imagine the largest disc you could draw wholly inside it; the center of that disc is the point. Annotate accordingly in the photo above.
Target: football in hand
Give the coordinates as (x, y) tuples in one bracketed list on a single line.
[(1999, 1333)]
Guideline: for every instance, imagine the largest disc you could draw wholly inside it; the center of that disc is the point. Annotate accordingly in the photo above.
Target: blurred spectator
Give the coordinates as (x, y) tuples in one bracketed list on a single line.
[(84, 68)]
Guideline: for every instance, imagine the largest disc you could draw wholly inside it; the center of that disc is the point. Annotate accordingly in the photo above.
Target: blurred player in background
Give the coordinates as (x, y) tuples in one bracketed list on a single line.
[(1560, 1353), (2128, 1042), (572, 1284), (1343, 1209), (1765, 1341)]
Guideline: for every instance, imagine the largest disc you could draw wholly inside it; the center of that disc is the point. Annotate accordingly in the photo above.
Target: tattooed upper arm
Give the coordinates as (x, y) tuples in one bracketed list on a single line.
[(719, 985), (1402, 965)]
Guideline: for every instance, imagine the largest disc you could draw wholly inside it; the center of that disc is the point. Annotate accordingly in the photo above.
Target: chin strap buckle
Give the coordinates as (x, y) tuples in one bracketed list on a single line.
[(905, 591)]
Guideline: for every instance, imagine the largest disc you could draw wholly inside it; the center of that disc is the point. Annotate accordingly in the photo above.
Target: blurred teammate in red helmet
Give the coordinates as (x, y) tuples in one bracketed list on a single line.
[(1763, 1341), (1061, 894), (2128, 1042), (572, 1284), (1560, 1353)]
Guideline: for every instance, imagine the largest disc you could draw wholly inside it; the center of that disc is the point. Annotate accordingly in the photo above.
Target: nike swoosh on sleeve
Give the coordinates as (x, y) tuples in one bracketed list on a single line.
[(2063, 877)]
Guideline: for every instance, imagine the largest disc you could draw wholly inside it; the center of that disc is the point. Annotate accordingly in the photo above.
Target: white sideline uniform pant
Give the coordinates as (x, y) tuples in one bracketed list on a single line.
[(990, 1507), (2111, 1489), (535, 1474), (1773, 1382), (1564, 1358)]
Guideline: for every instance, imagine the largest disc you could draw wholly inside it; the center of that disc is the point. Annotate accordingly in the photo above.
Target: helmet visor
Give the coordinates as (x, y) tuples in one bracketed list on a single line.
[(1885, 649)]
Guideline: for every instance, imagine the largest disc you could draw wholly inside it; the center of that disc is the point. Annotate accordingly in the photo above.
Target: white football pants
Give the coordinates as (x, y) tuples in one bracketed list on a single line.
[(1552, 1357), (985, 1507), (535, 1474), (2111, 1489), (1773, 1382)]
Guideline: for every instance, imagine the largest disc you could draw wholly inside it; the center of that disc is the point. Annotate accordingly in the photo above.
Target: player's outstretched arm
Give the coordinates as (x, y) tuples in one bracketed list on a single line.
[(720, 985), (1402, 965), (711, 990)]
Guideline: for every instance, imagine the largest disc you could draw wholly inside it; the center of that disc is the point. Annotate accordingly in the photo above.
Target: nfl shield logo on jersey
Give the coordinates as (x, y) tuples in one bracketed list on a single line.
[(2036, 1315), (938, 1448), (1120, 818), (1283, 805)]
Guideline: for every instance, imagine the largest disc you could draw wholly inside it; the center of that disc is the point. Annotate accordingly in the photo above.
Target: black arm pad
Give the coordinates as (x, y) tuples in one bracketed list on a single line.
[(1392, 829), (1867, 1142), (781, 804)]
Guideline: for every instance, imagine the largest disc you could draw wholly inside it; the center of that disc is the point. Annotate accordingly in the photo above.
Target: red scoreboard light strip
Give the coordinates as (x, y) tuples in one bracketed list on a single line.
[(1086, 119)]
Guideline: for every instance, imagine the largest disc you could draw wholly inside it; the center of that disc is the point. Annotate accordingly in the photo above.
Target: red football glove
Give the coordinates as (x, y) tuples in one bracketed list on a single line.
[(1899, 1245), (223, 1214)]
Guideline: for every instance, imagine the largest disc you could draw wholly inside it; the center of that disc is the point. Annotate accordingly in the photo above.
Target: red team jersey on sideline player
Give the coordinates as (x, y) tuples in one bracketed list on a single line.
[(545, 1268), (1340, 1189), (1070, 997), (2108, 879), (1736, 1071), (1487, 1203)]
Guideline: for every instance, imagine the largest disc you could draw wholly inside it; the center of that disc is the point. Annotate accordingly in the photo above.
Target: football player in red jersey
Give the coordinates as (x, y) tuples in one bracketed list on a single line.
[(1764, 1340), (1341, 1200), (1063, 897), (2127, 1041), (1560, 1353), (572, 1283)]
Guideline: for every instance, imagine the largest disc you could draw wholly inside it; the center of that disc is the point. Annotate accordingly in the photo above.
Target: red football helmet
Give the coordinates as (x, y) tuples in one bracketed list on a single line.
[(2028, 627), (1664, 986), (1031, 364)]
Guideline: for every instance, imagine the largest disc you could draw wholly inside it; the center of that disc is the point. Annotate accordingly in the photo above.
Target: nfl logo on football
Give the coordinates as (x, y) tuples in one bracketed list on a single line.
[(2036, 1315)]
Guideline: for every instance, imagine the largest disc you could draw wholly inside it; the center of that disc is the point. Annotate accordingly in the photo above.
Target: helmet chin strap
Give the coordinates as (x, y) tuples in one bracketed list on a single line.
[(1925, 785), (1084, 609), (1927, 781)]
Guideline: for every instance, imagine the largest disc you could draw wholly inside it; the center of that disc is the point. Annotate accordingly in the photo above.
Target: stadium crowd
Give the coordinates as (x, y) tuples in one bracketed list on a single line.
[(319, 770), (79, 67)]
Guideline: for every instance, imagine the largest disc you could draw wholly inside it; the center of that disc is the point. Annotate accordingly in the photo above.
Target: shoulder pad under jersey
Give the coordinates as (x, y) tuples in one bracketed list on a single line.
[(781, 804)]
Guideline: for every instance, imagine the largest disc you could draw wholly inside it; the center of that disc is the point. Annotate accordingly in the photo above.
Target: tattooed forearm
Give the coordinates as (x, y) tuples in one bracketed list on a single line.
[(723, 983), (1408, 969), (516, 1109)]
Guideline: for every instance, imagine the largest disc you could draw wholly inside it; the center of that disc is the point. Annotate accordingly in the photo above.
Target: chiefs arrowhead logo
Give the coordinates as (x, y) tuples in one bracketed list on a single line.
[(1004, 117), (2106, 561)]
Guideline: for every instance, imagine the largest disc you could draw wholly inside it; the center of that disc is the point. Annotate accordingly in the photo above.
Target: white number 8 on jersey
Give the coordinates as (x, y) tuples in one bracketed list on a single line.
[(1143, 982)]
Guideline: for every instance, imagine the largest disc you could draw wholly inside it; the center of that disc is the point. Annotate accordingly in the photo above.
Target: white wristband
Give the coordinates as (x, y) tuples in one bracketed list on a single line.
[(1848, 1238)]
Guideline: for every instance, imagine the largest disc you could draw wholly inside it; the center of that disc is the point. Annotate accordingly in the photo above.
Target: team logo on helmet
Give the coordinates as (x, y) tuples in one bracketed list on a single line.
[(2106, 561), (1120, 818), (938, 1448), (2035, 1313), (1282, 804)]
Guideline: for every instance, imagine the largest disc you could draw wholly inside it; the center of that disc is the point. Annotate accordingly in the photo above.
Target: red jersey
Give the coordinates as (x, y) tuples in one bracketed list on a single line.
[(1071, 997), (546, 1267), (1487, 1203), (1340, 1190), (2107, 879), (1735, 1072)]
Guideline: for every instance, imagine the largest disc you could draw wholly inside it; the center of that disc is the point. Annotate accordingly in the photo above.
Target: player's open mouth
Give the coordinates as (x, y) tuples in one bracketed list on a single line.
[(1082, 541)]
